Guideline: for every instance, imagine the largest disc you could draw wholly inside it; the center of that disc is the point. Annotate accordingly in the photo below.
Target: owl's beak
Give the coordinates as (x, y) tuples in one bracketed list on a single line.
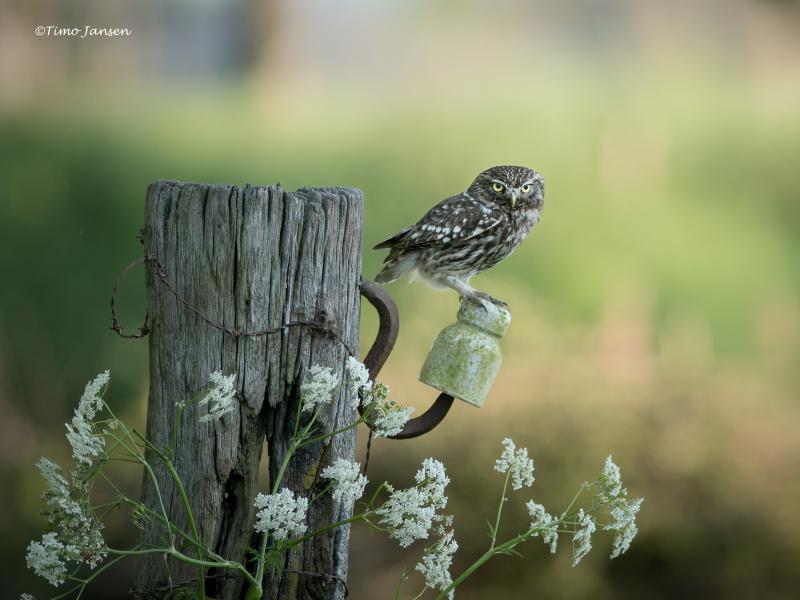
[(513, 195)]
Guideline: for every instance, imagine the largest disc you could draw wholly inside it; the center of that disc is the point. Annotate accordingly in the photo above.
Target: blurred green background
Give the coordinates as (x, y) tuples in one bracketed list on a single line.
[(656, 306)]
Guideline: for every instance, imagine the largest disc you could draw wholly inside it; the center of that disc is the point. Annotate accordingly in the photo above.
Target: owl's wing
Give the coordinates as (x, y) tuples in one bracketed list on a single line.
[(454, 219)]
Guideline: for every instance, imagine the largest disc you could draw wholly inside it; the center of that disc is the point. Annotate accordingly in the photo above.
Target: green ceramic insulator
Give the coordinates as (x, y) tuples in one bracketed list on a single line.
[(466, 357)]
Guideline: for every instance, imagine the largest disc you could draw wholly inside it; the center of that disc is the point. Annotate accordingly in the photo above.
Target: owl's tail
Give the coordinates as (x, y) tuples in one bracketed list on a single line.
[(395, 266)]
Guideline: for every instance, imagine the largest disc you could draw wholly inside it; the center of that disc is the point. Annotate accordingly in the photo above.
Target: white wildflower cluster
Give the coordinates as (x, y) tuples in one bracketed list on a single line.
[(86, 444), (281, 514), (48, 558), (624, 515), (435, 563), (358, 381), (70, 515), (609, 481), (387, 416), (75, 533), (57, 486), (544, 523), (318, 387), (516, 460), (390, 418), (348, 482), (623, 511), (26, 597), (582, 538), (220, 397), (409, 514)]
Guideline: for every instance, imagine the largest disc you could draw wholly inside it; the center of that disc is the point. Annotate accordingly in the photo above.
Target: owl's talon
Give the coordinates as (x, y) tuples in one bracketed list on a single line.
[(500, 303), (484, 297), (473, 297)]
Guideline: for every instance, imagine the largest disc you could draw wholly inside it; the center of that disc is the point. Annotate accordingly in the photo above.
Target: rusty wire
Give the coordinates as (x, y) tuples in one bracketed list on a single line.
[(161, 274), (388, 329), (115, 325)]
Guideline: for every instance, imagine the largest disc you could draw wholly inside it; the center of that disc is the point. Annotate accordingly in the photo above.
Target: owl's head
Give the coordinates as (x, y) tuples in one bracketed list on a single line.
[(515, 187)]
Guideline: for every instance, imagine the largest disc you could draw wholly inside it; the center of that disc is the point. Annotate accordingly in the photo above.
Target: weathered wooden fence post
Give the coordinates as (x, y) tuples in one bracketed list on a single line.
[(247, 259)]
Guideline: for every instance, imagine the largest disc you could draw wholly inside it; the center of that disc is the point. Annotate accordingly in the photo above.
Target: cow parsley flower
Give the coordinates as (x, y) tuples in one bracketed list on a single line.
[(609, 482), (435, 563), (390, 418), (544, 523), (358, 381), (516, 460), (349, 483), (86, 444), (220, 397), (409, 514), (26, 596), (623, 539), (318, 387), (582, 538), (432, 476), (48, 558), (377, 394), (56, 484), (72, 518), (623, 511), (281, 514), (624, 514)]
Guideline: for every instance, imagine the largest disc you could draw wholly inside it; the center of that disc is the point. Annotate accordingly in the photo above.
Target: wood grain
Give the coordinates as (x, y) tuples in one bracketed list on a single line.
[(248, 258)]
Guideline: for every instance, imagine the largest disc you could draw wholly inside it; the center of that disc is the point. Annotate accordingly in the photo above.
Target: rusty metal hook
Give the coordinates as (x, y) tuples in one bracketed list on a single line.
[(388, 328)]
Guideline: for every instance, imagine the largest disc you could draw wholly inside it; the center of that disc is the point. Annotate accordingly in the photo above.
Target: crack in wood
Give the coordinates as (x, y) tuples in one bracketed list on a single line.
[(249, 257)]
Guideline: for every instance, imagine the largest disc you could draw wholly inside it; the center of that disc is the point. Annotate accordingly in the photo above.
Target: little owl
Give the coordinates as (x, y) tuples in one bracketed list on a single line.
[(468, 233)]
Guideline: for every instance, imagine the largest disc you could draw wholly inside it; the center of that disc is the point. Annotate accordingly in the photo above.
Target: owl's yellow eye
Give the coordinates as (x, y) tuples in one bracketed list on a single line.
[(498, 187), (526, 188)]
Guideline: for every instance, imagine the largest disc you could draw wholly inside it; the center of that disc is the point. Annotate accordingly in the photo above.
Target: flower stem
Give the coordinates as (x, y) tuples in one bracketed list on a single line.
[(324, 436), (177, 554), (170, 526), (403, 578), (469, 571), (328, 527), (255, 592), (201, 573), (421, 593), (84, 582), (500, 510), (573, 501), (503, 548)]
